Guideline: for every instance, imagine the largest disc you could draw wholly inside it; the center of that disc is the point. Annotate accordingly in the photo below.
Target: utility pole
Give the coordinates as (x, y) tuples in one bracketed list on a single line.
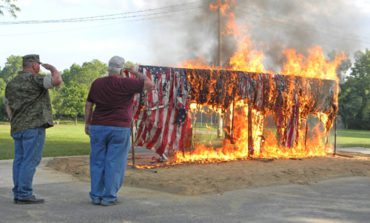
[(219, 38), (219, 55)]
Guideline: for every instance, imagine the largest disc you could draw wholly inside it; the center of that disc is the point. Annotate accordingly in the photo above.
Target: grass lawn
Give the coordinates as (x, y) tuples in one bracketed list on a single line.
[(70, 139), (353, 138), (61, 140)]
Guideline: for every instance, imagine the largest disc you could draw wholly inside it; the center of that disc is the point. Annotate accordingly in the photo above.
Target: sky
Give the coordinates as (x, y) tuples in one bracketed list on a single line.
[(137, 39)]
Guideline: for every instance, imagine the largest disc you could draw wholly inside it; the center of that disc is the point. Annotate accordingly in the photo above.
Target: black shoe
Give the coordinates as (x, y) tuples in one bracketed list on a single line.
[(30, 200), (108, 203)]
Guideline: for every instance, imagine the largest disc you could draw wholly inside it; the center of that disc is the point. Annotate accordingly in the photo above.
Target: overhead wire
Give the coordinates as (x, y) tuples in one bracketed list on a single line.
[(162, 12), (190, 8), (149, 18), (123, 15)]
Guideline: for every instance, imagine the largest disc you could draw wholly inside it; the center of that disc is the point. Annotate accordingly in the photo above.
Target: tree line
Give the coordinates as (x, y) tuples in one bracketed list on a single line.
[(354, 96), (68, 101)]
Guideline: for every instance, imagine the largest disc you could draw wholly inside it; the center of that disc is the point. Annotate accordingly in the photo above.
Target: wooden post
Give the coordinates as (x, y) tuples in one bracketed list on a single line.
[(232, 123), (305, 134), (335, 137), (132, 145), (250, 132)]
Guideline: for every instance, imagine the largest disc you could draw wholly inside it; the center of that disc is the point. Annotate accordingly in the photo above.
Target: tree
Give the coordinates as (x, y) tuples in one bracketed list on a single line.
[(2, 94), (84, 74), (2, 87), (354, 106), (71, 100), (9, 6), (12, 66)]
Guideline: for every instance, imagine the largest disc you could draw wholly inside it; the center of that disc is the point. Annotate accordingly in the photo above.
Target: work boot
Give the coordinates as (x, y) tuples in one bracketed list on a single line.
[(108, 203), (30, 200), (96, 201)]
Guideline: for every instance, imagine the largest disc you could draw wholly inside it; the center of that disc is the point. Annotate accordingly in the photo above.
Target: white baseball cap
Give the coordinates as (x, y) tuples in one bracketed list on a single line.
[(116, 63)]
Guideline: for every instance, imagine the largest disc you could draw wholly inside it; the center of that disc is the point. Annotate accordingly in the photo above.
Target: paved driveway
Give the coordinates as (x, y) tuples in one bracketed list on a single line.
[(340, 200)]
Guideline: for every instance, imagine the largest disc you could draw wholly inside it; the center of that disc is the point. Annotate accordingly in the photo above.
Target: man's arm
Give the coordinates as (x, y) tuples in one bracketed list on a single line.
[(8, 109), (148, 84), (56, 78), (88, 115)]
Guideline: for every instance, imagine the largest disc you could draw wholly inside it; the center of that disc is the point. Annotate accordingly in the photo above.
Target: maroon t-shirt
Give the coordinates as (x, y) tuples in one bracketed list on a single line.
[(113, 96)]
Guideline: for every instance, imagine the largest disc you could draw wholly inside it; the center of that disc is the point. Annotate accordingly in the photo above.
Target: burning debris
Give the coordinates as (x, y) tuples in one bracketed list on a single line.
[(245, 100)]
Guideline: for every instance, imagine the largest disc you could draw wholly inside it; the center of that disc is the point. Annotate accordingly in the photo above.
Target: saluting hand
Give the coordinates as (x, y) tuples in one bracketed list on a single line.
[(48, 66)]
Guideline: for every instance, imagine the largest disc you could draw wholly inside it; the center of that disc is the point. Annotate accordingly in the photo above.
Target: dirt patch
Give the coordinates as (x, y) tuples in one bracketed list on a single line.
[(193, 179)]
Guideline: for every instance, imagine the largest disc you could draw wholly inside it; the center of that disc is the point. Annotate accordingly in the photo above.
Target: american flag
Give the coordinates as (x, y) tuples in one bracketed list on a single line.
[(163, 120)]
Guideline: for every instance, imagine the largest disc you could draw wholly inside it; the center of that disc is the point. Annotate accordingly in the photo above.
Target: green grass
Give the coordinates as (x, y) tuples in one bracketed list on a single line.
[(61, 140), (70, 139), (353, 138)]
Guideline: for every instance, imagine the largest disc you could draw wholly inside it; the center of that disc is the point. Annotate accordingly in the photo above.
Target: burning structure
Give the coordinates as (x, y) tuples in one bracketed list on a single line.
[(245, 101), (263, 115)]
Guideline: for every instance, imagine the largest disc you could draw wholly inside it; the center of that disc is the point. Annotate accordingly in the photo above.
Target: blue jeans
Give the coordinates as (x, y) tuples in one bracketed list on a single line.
[(28, 145), (108, 159)]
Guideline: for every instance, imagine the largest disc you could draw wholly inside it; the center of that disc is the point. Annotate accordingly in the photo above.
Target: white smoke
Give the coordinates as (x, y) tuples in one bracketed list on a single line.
[(273, 26)]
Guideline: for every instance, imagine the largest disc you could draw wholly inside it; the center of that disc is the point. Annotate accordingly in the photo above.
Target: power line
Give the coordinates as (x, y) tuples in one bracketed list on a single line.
[(123, 15), (164, 12), (156, 17)]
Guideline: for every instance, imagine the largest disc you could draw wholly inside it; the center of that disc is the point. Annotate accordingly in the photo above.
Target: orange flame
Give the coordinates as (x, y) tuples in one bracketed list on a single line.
[(314, 66), (225, 9), (310, 141), (199, 63), (246, 59)]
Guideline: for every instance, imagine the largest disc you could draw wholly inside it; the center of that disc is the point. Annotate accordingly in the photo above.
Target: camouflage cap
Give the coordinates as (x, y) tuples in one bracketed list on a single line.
[(31, 58)]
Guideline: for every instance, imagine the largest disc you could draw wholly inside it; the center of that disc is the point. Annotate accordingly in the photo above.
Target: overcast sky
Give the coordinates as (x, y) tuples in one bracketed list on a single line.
[(63, 44)]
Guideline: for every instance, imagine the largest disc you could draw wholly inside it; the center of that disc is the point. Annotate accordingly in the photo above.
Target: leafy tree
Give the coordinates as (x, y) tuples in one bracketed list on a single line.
[(354, 100), (71, 100), (2, 87), (12, 66), (84, 74), (10, 6), (2, 94)]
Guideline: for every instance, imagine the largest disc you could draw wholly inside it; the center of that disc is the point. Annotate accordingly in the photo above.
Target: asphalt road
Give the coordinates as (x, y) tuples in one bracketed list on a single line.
[(341, 200)]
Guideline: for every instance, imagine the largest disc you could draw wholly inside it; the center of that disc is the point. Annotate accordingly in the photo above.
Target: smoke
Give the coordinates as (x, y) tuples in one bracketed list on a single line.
[(277, 25), (273, 26)]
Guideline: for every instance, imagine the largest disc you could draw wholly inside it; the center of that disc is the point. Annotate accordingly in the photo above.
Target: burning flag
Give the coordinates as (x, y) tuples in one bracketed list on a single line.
[(164, 121), (264, 114)]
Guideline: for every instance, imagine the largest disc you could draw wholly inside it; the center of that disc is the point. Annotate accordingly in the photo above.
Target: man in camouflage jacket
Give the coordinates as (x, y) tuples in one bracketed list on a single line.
[(29, 110)]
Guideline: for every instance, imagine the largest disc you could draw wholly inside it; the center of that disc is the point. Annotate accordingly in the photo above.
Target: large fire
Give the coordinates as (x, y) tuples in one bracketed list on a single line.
[(248, 130), (286, 113)]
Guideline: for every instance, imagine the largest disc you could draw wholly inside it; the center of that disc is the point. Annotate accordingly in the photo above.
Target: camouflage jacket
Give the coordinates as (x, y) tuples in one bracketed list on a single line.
[(29, 101)]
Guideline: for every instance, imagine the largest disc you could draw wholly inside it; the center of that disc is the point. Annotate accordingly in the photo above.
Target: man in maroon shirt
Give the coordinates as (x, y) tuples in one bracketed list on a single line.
[(109, 128)]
